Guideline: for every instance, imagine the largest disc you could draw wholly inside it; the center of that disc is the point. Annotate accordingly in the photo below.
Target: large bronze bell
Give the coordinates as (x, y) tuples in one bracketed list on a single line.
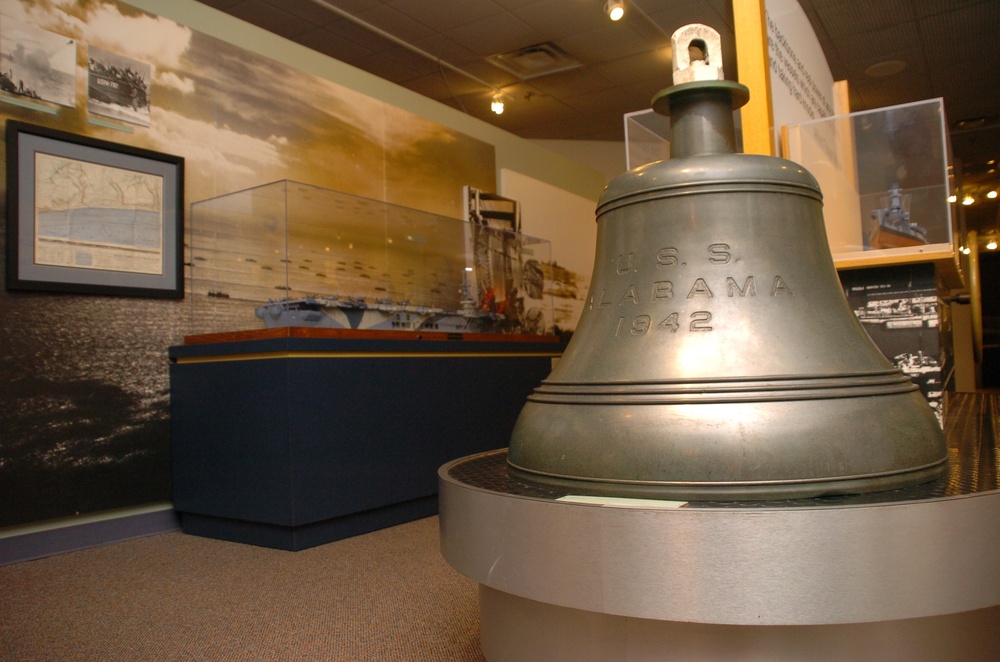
[(717, 357)]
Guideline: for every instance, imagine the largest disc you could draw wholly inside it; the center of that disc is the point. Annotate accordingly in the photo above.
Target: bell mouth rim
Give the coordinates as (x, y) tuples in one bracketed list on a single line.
[(737, 490)]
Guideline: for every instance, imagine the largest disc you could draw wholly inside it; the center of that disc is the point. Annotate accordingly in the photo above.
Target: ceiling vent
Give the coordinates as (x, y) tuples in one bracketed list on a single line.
[(534, 61)]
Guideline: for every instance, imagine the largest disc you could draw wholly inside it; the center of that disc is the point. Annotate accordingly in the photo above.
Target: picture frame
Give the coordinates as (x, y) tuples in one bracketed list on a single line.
[(90, 216)]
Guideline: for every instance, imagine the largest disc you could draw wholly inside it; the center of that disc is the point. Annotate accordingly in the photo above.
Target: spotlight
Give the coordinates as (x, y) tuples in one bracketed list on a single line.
[(968, 200), (615, 9), (952, 198), (497, 105), (992, 245), (991, 195), (966, 250)]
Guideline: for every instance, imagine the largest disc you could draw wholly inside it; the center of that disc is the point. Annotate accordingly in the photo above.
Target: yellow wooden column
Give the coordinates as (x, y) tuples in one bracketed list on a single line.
[(754, 62)]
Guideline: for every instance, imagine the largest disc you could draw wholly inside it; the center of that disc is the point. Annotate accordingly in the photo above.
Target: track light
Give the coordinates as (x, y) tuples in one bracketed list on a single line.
[(968, 200), (615, 9), (497, 104), (992, 245)]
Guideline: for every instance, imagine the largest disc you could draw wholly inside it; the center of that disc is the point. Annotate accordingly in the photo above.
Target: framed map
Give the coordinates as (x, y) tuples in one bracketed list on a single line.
[(90, 216)]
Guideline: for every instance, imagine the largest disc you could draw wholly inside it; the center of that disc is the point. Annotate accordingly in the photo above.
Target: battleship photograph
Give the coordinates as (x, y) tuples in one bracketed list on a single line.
[(898, 307), (37, 64)]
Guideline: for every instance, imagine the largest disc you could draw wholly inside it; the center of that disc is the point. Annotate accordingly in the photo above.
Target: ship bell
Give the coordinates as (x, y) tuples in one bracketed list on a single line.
[(717, 357)]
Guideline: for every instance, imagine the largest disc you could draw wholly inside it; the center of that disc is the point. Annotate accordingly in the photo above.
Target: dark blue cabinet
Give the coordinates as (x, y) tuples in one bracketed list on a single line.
[(293, 442)]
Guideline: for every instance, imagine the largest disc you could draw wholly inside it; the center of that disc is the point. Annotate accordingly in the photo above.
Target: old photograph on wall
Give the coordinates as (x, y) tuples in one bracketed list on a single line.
[(36, 63), (898, 307), (118, 86), (508, 268)]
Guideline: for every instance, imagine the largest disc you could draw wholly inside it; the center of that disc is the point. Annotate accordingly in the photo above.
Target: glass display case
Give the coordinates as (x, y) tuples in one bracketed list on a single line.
[(647, 137), (883, 173), (291, 254), (884, 176)]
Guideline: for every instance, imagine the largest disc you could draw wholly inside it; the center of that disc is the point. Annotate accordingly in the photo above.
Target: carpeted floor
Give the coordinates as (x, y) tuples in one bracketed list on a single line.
[(387, 595)]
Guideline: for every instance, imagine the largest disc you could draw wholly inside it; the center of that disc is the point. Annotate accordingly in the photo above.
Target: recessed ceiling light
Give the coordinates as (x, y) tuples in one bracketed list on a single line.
[(887, 68)]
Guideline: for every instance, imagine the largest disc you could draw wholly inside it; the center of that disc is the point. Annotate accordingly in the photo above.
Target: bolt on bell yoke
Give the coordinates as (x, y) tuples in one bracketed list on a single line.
[(717, 357)]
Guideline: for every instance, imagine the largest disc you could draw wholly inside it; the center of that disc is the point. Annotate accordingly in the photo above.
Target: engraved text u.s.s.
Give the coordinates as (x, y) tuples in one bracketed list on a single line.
[(703, 287)]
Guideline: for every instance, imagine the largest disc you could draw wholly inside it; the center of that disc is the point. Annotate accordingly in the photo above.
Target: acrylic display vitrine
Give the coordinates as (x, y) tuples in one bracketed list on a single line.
[(292, 254)]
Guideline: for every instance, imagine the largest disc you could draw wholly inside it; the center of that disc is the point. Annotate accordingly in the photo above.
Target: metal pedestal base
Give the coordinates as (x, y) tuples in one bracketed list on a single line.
[(908, 574), (515, 628)]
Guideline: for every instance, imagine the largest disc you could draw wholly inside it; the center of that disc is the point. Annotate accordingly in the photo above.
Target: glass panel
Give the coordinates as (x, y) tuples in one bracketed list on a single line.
[(291, 254), (884, 176)]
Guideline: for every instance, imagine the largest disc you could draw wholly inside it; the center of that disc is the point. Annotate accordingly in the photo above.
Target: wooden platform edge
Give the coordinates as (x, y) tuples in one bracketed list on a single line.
[(360, 334)]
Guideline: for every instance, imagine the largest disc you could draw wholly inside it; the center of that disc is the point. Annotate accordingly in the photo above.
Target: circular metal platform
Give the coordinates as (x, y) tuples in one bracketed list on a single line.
[(561, 580)]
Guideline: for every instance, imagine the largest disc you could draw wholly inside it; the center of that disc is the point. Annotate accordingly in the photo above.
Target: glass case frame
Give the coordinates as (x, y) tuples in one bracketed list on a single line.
[(293, 254)]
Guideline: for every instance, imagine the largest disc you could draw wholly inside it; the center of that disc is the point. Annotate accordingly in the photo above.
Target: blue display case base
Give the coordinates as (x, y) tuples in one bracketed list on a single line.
[(297, 538)]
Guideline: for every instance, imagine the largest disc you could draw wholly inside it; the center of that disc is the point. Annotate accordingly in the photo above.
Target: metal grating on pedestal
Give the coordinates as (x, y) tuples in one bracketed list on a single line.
[(970, 429)]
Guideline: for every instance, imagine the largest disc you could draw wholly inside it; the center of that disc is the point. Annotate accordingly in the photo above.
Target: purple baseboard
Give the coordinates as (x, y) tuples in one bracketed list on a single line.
[(36, 544)]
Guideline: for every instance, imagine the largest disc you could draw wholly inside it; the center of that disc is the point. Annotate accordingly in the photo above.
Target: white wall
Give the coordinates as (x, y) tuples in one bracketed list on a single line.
[(605, 156)]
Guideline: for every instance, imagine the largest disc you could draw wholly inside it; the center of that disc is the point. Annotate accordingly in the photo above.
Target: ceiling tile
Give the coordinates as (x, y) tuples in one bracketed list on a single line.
[(651, 65), (309, 10), (605, 44), (552, 18), (221, 4), (844, 18), (907, 87), (489, 73), (930, 7), (385, 66), (497, 34), (441, 85), (445, 48), (965, 37), (351, 6), (445, 15), (412, 60), (882, 44), (515, 4), (351, 31), (334, 45), (671, 15), (572, 82), (395, 22), (271, 18)]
